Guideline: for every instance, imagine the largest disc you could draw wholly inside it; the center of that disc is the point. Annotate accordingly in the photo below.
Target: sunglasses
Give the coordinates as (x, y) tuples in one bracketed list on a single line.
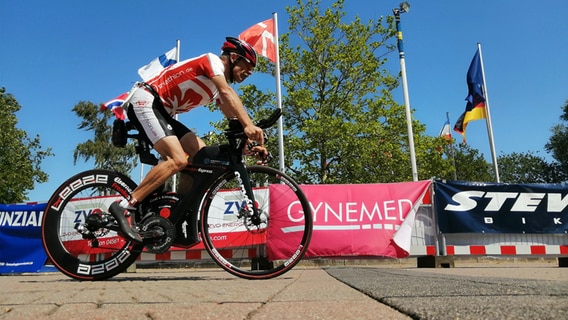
[(249, 63)]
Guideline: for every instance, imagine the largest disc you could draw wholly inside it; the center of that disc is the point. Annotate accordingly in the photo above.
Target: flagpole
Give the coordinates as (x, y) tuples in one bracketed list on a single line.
[(404, 7), (488, 118), (452, 151), (174, 178), (281, 163)]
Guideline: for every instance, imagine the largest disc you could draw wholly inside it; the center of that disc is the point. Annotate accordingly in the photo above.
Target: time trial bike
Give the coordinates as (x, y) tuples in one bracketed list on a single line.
[(253, 221)]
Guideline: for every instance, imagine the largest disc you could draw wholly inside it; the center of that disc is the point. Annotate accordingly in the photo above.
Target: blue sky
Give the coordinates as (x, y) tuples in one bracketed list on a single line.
[(56, 53)]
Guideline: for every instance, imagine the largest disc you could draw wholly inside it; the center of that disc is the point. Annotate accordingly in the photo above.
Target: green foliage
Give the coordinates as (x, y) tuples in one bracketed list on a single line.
[(435, 158), (20, 156), (341, 124), (528, 168), (100, 148), (337, 129), (558, 143), (471, 165)]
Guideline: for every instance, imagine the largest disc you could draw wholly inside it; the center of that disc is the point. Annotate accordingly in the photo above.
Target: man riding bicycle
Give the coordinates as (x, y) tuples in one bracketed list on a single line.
[(179, 88)]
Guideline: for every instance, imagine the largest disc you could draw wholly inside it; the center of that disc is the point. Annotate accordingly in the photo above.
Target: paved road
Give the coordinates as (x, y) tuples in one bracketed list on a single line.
[(478, 291)]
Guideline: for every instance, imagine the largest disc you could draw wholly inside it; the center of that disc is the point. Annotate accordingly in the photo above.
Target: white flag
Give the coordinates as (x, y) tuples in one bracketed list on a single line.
[(160, 63)]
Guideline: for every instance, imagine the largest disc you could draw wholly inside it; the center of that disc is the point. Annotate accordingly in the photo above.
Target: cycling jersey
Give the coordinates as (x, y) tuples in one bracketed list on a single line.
[(187, 84)]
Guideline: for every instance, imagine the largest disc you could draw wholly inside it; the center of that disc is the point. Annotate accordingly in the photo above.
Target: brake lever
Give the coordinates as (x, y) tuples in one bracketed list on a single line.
[(262, 161), (266, 160)]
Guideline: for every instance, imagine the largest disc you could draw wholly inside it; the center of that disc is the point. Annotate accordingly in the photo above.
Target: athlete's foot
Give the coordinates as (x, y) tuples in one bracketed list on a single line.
[(118, 213)]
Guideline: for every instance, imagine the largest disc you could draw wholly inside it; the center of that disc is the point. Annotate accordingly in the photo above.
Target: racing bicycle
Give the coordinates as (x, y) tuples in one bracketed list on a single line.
[(253, 221)]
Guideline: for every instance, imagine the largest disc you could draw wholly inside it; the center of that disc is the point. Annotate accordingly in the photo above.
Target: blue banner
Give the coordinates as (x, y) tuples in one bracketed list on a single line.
[(21, 249), (467, 207)]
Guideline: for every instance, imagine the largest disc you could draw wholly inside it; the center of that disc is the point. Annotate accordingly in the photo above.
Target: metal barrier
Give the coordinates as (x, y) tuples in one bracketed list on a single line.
[(438, 248), (425, 241)]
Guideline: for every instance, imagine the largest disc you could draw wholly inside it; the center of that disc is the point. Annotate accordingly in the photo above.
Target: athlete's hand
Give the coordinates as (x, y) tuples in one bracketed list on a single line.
[(257, 151), (255, 133)]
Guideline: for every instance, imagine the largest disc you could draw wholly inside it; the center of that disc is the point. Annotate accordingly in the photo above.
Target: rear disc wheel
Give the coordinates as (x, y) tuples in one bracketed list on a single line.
[(81, 203)]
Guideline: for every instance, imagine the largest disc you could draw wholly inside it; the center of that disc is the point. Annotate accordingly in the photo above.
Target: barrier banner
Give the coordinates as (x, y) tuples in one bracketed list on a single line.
[(355, 220), (466, 207), (21, 249), (223, 216)]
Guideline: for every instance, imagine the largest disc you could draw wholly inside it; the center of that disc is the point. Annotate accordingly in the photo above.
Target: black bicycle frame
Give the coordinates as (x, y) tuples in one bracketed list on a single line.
[(221, 159), (208, 164)]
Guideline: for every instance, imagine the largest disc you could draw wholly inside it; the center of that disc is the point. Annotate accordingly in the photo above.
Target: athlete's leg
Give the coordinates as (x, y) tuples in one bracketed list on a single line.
[(191, 144), (174, 159), (164, 132), (148, 114)]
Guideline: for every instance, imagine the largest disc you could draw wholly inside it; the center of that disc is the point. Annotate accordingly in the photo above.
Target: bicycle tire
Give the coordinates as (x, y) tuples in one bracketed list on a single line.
[(87, 193), (256, 250)]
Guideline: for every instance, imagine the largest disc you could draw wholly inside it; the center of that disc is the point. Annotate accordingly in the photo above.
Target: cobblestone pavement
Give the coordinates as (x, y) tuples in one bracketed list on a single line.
[(393, 291)]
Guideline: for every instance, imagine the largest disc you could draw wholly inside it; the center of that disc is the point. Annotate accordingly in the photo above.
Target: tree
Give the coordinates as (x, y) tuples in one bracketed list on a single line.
[(332, 81), (528, 168), (342, 124), (558, 143), (20, 156), (471, 166), (100, 148)]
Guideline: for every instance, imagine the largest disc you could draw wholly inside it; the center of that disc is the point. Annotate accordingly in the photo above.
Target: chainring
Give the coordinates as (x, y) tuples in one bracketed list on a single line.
[(158, 233)]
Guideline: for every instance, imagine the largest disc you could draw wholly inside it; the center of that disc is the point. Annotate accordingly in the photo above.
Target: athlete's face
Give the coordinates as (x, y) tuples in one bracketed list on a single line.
[(242, 69)]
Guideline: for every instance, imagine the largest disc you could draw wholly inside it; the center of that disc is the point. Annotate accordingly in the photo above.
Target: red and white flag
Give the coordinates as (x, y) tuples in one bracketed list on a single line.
[(261, 37), (115, 105)]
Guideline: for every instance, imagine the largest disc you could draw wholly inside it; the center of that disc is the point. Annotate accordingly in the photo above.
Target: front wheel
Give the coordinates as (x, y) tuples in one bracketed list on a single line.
[(256, 246), (78, 234)]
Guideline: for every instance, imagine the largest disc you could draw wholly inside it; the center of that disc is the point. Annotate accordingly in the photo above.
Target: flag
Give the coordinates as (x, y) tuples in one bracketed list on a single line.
[(446, 132), (475, 106), (160, 63), (261, 38), (115, 105)]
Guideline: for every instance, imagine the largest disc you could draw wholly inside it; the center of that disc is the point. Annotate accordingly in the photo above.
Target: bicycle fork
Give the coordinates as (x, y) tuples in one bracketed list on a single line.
[(246, 209), (249, 211)]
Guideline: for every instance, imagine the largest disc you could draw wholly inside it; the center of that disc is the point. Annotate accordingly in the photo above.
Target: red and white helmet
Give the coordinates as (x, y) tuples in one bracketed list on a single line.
[(241, 48)]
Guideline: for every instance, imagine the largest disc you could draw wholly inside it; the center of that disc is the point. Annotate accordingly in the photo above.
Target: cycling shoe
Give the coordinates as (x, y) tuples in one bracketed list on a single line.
[(118, 213)]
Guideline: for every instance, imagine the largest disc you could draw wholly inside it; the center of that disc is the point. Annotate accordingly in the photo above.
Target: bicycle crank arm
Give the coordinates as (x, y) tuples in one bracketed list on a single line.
[(158, 234)]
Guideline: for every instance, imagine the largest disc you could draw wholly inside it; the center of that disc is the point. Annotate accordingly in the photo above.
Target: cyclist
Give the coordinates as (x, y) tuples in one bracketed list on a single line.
[(179, 88)]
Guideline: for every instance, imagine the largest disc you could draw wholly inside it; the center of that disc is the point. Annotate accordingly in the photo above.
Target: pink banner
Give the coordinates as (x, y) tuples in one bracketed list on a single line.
[(353, 220)]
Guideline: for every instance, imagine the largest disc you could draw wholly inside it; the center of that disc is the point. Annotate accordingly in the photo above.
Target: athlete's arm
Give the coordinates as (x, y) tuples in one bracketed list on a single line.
[(232, 107)]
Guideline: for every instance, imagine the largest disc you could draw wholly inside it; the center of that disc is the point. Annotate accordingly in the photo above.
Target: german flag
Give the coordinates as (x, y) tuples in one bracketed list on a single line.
[(475, 106)]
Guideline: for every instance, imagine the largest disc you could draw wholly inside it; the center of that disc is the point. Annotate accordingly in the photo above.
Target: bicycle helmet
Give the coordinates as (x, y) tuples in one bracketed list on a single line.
[(241, 48)]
